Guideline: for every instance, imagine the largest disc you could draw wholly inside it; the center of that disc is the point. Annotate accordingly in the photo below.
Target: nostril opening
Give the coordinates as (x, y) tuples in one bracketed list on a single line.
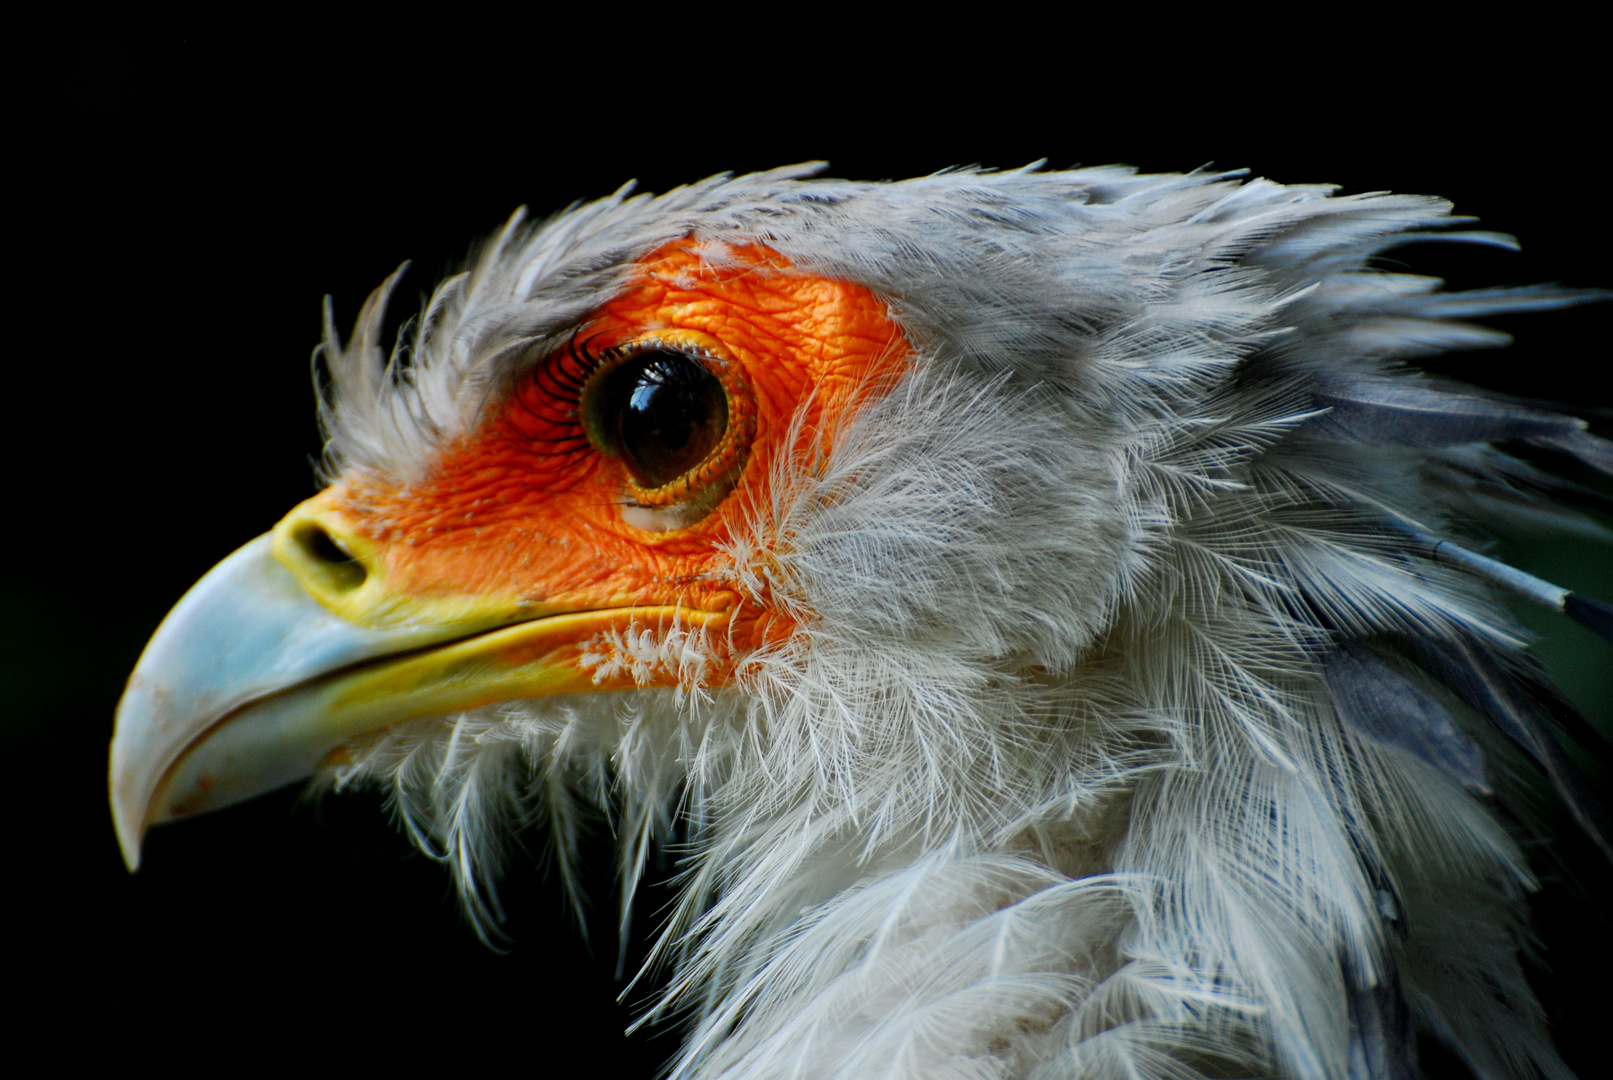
[(346, 573)]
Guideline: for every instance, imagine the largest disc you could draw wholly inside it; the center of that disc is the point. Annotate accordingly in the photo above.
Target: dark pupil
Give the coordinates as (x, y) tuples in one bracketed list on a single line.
[(671, 413)]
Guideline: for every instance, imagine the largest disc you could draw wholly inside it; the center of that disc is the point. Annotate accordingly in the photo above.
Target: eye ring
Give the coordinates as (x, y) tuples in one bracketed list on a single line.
[(654, 403)]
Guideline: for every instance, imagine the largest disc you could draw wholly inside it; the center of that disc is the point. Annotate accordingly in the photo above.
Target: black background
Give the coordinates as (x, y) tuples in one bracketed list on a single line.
[(184, 198)]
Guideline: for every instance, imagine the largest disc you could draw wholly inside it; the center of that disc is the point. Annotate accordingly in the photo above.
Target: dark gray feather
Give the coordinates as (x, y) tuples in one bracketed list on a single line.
[(1540, 483), (1401, 412), (1592, 614), (1584, 447), (1383, 1043), (1381, 705), (1476, 675), (1503, 479)]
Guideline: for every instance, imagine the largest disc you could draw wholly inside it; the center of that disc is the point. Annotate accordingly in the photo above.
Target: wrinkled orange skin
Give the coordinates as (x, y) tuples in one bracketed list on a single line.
[(503, 515)]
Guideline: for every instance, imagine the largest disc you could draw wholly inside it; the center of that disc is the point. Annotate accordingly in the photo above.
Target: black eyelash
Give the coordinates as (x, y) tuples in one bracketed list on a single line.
[(560, 379)]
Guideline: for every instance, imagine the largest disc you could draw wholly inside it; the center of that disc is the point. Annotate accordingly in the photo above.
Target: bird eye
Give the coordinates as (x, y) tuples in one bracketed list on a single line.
[(679, 419), (663, 412)]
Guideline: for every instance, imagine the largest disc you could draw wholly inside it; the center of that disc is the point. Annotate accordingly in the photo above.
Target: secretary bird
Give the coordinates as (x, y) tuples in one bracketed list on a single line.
[(1039, 608)]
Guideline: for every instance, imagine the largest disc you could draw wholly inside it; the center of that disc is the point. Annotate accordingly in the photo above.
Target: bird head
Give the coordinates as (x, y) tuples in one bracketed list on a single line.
[(663, 461)]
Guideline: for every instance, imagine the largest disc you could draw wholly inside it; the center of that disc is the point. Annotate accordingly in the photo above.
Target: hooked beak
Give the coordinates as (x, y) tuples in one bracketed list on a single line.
[(265, 669)]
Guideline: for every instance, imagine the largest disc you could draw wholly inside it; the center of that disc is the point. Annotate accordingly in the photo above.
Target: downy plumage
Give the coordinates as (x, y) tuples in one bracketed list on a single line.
[(1136, 723)]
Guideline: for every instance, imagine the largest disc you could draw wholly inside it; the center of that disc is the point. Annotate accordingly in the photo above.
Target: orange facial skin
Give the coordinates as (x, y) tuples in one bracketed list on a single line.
[(526, 510)]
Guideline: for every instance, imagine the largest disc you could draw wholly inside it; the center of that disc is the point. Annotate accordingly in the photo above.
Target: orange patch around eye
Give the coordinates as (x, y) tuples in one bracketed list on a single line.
[(525, 508)]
